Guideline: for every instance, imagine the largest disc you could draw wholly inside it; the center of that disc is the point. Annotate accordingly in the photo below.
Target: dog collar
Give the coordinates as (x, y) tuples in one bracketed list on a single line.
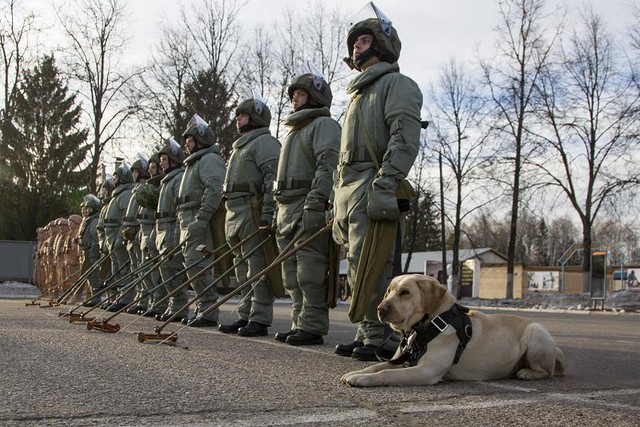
[(414, 342)]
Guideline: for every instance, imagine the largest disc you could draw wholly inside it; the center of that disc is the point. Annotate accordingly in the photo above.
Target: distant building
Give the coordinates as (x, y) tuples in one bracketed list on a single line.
[(471, 261)]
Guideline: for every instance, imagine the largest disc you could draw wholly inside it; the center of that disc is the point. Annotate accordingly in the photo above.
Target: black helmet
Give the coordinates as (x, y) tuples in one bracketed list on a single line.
[(200, 131), (256, 108), (386, 43), (315, 84), (172, 149)]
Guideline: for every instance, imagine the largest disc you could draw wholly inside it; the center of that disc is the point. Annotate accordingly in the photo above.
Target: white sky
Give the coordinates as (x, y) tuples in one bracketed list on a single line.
[(431, 31)]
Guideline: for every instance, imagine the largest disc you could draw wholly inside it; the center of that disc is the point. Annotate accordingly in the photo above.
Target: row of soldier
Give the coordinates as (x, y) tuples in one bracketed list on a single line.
[(351, 177)]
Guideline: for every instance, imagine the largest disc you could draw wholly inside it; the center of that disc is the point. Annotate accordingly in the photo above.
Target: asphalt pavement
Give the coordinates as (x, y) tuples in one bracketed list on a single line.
[(56, 373)]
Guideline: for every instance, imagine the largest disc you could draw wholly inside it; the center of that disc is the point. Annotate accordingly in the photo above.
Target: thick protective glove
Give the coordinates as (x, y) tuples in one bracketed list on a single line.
[(197, 228), (313, 220), (382, 204), (129, 233)]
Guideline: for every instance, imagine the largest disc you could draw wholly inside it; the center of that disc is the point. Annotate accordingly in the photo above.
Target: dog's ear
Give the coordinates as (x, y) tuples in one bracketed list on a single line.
[(432, 293)]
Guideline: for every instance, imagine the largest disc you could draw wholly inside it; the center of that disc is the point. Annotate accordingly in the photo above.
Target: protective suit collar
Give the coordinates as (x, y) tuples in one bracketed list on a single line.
[(169, 175), (198, 154), (371, 74), (306, 114), (250, 136)]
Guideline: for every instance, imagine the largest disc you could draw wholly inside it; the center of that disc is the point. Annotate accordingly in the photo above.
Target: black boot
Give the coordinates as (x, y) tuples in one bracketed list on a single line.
[(304, 338), (282, 336), (253, 329), (371, 353), (347, 349), (202, 323), (233, 327)]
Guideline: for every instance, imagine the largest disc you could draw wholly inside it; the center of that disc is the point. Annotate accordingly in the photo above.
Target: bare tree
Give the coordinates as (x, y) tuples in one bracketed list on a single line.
[(523, 50), (588, 112), (162, 86), (97, 39), (17, 30), (313, 35), (459, 120)]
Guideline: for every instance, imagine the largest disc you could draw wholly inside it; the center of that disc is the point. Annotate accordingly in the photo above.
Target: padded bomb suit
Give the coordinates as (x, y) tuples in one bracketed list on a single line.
[(88, 240), (131, 234), (199, 197), (114, 240), (167, 237), (248, 184), (304, 182), (390, 105), (147, 219)]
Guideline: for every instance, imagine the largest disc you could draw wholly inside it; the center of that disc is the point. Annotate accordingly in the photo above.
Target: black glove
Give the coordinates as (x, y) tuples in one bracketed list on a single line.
[(313, 221)]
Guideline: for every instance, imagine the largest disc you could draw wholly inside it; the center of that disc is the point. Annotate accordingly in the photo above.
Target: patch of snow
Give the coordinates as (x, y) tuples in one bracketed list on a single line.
[(18, 290)]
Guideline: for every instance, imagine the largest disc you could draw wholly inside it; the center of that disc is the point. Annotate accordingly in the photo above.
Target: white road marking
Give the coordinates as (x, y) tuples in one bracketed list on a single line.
[(592, 398)]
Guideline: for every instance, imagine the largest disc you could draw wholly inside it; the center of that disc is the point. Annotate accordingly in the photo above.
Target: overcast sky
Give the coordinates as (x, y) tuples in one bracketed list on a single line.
[(431, 30)]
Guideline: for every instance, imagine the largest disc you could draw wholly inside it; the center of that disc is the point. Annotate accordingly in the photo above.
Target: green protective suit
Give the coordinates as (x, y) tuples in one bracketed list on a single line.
[(304, 182), (248, 187), (88, 240), (147, 219), (167, 237), (102, 240), (199, 197), (389, 105), (113, 233), (131, 234)]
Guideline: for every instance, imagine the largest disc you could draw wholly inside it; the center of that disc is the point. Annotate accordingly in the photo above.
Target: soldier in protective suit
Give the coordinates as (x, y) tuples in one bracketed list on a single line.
[(249, 202), (379, 144), (88, 240), (199, 198), (123, 181), (302, 190), (168, 230), (105, 191), (131, 229), (147, 196)]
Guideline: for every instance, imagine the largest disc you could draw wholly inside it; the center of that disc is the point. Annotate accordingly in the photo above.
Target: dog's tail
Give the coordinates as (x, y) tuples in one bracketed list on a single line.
[(560, 362)]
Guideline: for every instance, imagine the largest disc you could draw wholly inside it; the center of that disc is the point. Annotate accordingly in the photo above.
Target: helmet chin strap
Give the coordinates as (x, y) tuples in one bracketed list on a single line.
[(364, 57), (303, 107), (247, 127)]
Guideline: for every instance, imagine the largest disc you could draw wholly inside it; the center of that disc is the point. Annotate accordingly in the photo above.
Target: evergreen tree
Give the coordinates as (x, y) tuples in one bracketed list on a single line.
[(425, 234), (540, 254), (50, 170), (208, 96)]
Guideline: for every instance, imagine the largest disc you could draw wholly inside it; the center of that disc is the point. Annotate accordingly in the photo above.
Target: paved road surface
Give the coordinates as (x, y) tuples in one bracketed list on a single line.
[(60, 374)]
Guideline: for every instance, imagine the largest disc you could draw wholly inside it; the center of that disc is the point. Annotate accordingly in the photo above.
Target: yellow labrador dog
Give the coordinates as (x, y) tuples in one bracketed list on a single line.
[(436, 330)]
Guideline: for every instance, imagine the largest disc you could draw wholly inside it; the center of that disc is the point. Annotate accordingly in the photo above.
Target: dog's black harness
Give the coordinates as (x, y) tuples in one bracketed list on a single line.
[(414, 342)]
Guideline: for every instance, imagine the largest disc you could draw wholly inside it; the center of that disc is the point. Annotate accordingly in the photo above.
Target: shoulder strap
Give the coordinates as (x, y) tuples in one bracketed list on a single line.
[(363, 128)]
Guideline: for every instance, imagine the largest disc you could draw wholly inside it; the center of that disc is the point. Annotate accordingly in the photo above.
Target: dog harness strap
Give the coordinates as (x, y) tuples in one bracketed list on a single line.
[(414, 343)]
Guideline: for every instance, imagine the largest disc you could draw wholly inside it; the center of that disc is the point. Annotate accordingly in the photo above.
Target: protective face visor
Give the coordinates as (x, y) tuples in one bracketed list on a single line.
[(258, 102), (386, 44), (198, 123), (370, 11), (144, 161), (173, 145)]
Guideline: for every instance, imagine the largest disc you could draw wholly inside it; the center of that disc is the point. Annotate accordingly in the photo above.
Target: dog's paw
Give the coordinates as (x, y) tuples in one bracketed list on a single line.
[(356, 379), (530, 374)]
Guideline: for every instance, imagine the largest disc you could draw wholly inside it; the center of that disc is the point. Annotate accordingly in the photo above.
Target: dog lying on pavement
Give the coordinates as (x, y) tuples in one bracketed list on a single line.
[(445, 341)]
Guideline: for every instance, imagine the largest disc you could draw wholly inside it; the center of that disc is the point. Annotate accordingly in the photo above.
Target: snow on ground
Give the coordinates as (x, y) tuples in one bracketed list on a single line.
[(17, 290)]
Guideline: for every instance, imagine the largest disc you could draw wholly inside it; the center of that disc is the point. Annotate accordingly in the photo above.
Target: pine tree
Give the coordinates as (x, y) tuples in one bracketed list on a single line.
[(208, 96), (51, 169), (422, 231)]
